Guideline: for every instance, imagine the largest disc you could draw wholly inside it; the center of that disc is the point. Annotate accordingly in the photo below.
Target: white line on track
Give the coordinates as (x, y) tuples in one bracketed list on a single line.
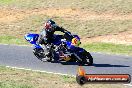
[(15, 45), (130, 85), (39, 71)]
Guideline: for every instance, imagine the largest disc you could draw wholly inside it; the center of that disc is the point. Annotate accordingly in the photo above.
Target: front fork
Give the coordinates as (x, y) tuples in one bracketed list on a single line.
[(77, 57)]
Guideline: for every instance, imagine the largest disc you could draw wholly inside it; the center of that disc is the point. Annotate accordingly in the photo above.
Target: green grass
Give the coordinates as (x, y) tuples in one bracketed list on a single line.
[(6, 1), (99, 6), (11, 40), (12, 84), (14, 78), (109, 48), (7, 79)]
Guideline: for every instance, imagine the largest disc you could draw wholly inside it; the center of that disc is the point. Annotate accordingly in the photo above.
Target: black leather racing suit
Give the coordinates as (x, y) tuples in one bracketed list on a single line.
[(47, 35)]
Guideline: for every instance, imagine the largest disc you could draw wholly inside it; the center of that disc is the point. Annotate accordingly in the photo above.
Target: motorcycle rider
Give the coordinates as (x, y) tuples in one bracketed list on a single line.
[(47, 34)]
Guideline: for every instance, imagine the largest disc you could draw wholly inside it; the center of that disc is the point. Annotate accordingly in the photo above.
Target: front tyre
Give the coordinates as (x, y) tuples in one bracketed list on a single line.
[(88, 58)]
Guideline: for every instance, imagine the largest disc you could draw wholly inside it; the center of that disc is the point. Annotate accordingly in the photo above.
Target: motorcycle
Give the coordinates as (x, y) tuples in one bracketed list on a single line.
[(63, 48)]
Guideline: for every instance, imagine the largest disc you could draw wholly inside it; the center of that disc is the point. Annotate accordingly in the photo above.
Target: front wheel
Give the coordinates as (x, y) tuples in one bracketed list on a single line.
[(88, 58)]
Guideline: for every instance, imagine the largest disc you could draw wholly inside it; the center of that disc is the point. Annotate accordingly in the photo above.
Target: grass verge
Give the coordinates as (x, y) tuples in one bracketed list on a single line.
[(14, 78), (6, 2), (13, 84), (12, 40), (109, 48)]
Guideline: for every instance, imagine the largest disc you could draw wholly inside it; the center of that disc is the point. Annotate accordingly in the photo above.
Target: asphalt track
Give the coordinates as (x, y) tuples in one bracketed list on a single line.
[(22, 57)]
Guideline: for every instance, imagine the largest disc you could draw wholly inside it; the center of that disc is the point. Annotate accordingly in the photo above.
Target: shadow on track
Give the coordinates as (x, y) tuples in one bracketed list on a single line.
[(73, 63), (69, 63), (108, 65), (94, 65)]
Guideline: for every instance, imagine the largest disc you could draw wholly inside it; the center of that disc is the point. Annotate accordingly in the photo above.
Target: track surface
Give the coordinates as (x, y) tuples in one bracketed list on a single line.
[(22, 57)]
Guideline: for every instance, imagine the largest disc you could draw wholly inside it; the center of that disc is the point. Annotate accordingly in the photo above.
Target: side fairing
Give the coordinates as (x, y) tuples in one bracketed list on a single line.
[(32, 38)]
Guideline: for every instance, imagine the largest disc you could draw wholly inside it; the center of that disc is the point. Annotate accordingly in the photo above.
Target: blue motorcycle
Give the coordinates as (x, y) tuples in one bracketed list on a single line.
[(62, 48)]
